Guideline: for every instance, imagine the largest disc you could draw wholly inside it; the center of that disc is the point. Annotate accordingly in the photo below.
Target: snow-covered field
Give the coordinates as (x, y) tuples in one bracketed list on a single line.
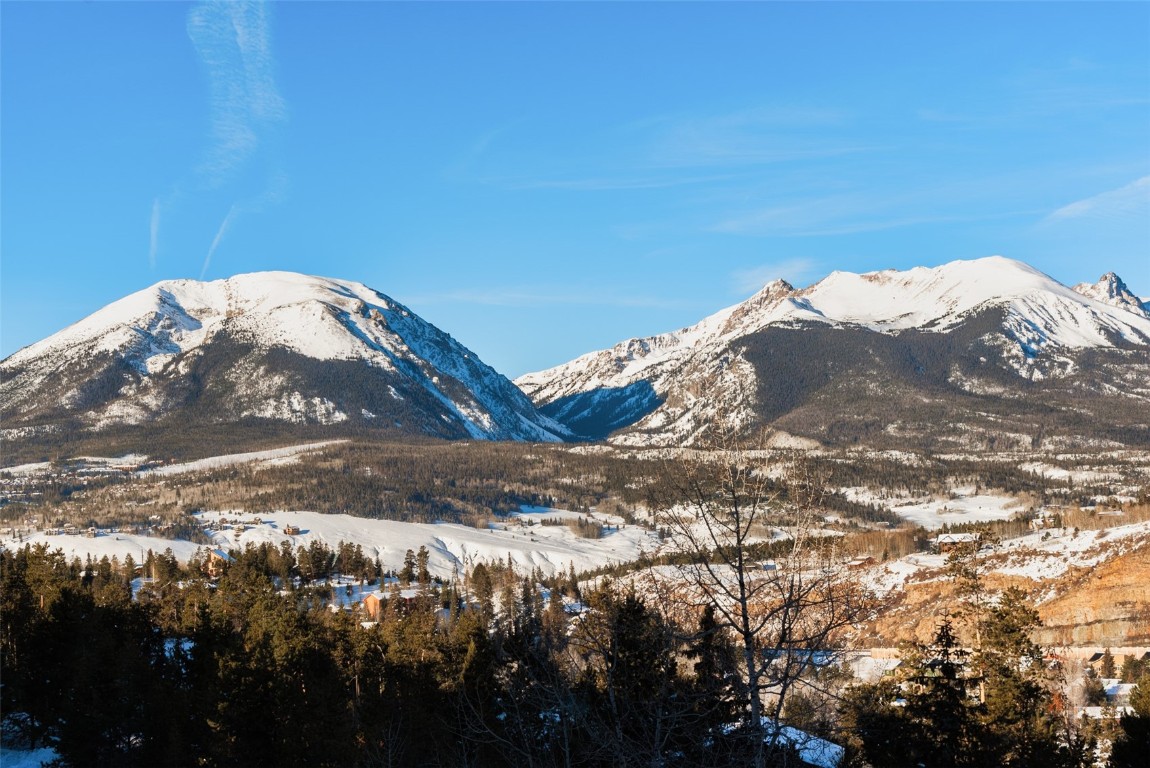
[(962, 506), (1077, 476), (530, 544), (271, 458), (110, 544)]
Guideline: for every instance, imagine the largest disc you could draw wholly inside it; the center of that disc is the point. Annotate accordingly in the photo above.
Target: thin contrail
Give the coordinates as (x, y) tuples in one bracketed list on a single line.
[(233, 42), (216, 241), (154, 240)]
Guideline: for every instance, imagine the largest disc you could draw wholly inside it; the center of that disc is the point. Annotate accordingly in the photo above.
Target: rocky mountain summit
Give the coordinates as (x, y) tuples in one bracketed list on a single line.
[(971, 348)]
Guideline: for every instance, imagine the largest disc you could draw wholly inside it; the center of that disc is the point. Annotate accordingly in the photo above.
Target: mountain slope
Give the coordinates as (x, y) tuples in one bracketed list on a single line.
[(989, 335), (264, 347)]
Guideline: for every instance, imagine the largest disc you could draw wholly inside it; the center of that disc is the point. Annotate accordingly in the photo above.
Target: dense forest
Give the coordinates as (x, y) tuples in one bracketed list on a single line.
[(493, 668)]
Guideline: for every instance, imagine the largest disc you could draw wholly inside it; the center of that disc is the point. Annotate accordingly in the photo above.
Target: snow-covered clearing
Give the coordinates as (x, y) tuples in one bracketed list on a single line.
[(270, 457), (1077, 476), (21, 470), (1049, 554), (110, 544), (551, 548), (963, 505)]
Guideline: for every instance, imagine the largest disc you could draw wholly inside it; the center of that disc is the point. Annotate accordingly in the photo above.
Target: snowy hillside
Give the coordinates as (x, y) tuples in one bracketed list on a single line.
[(666, 387), (275, 346), (551, 548)]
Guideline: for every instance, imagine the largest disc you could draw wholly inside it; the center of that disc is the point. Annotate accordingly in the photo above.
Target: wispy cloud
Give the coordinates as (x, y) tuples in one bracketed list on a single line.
[(795, 221), (1125, 202), (664, 151), (794, 271), (233, 42), (234, 46), (217, 239), (752, 137)]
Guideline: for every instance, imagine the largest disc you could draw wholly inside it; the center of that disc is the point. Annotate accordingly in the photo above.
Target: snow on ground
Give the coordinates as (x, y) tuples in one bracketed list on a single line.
[(1041, 555), (26, 758), (20, 470), (271, 457), (962, 506), (1049, 554), (1077, 476), (530, 545), (110, 544), (550, 548)]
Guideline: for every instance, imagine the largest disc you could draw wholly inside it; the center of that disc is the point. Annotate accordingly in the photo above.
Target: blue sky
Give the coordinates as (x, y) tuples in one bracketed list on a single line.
[(544, 179)]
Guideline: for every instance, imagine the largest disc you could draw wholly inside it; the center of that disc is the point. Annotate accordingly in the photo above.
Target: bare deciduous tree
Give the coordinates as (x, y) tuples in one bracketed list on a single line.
[(728, 509)]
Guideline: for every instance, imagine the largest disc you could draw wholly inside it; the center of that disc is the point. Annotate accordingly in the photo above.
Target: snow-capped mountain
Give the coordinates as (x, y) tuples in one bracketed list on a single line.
[(1111, 290), (270, 346), (959, 327)]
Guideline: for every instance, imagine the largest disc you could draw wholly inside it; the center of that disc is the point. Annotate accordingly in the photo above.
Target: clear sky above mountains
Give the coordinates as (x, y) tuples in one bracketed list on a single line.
[(544, 179)]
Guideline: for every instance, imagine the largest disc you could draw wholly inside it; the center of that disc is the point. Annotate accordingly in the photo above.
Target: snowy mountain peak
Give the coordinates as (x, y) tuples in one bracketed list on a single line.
[(1111, 290), (298, 348), (674, 381)]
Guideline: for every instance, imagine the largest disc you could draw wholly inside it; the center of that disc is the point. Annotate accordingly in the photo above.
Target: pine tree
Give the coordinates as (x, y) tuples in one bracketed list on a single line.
[(483, 590), (1019, 715), (1131, 748), (421, 560), (407, 575), (1093, 691), (1106, 667)]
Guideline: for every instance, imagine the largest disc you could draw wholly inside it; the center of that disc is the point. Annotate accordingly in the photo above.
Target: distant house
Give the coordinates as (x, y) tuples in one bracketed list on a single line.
[(374, 602), (373, 605), (217, 561), (769, 565), (860, 562), (291, 530), (948, 542)]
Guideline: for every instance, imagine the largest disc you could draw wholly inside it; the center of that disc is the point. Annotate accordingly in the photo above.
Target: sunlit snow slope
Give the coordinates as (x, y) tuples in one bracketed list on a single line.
[(276, 346), (667, 387)]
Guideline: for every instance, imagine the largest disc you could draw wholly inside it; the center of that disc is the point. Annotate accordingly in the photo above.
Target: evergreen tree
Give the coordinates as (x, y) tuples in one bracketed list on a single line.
[(421, 560), (1131, 748), (1019, 715), (714, 664), (407, 574), (1093, 691), (931, 719), (484, 590), (1106, 668)]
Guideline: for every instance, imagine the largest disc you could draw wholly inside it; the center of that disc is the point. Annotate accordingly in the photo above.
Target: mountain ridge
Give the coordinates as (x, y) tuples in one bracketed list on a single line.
[(1029, 325), (261, 346), (970, 350)]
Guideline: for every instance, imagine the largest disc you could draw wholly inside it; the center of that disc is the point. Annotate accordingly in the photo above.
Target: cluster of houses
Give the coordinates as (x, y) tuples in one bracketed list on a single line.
[(238, 526)]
